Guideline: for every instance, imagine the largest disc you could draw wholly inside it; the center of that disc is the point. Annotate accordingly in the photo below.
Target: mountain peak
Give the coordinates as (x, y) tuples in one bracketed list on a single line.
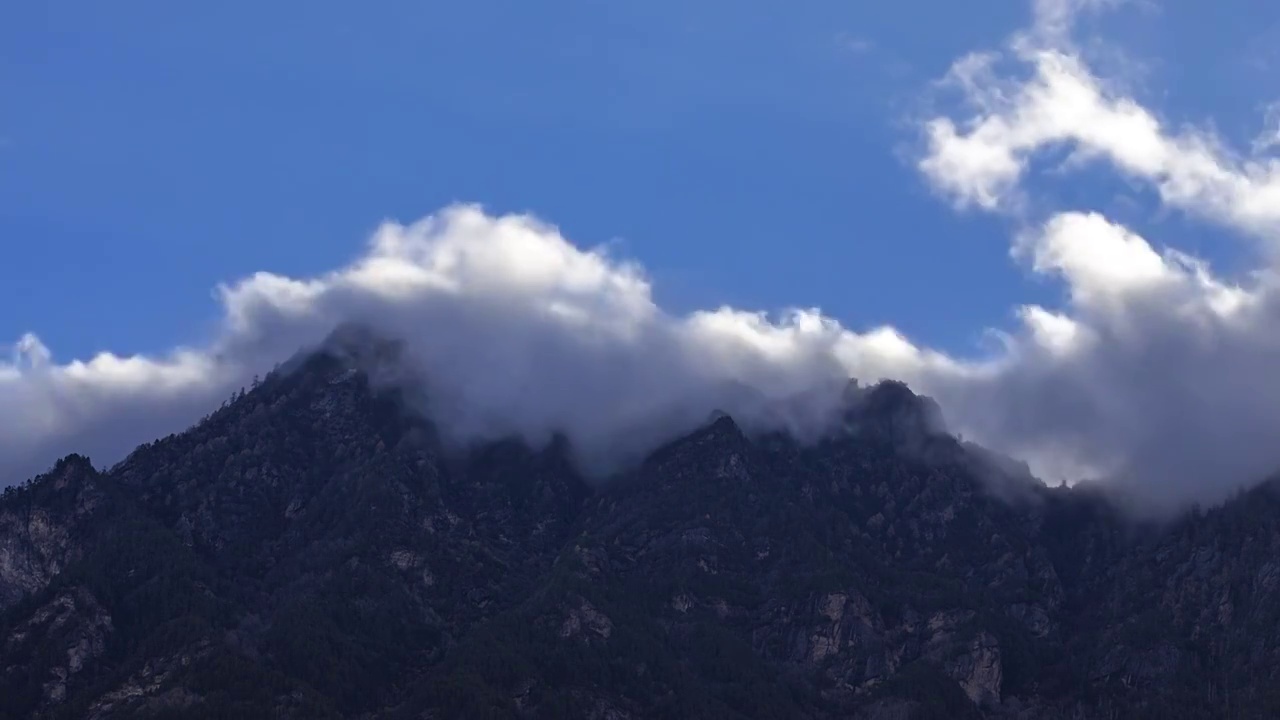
[(890, 407), (365, 347), (722, 426)]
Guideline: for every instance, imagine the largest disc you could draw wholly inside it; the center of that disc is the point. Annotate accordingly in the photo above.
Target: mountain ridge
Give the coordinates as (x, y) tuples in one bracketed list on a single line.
[(316, 549)]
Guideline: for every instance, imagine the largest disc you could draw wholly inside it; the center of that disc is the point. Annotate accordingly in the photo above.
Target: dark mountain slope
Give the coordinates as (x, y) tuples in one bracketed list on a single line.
[(313, 550), (308, 538)]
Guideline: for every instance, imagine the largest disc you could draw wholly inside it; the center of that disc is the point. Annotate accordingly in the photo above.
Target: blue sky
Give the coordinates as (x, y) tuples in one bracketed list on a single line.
[(1097, 180), (745, 156)]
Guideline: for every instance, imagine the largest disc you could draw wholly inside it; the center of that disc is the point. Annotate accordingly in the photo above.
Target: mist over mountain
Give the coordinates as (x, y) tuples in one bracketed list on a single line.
[(1151, 373), (520, 332)]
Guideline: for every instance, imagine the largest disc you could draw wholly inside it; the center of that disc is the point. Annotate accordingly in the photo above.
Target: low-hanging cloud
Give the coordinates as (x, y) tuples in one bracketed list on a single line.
[(516, 330), (1154, 373)]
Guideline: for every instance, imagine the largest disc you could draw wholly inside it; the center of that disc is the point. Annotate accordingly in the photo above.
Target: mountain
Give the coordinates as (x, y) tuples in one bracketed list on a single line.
[(313, 549)]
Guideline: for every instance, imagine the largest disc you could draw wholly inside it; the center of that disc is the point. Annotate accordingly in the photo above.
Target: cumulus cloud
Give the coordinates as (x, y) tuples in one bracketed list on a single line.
[(979, 160), (517, 329), (1154, 373)]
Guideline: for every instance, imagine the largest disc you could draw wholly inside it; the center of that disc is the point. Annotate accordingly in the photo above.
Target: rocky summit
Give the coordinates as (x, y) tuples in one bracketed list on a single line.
[(313, 549)]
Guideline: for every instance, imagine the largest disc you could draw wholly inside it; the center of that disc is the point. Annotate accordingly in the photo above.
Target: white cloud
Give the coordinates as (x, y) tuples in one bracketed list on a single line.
[(522, 332), (981, 159), (1154, 372), (519, 330)]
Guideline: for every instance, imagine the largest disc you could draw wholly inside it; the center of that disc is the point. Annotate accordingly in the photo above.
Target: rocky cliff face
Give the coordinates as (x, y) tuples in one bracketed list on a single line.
[(313, 550), (39, 529)]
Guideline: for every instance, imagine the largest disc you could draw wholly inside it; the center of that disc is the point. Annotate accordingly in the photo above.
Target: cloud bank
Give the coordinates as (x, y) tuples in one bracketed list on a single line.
[(517, 330), (1153, 374)]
